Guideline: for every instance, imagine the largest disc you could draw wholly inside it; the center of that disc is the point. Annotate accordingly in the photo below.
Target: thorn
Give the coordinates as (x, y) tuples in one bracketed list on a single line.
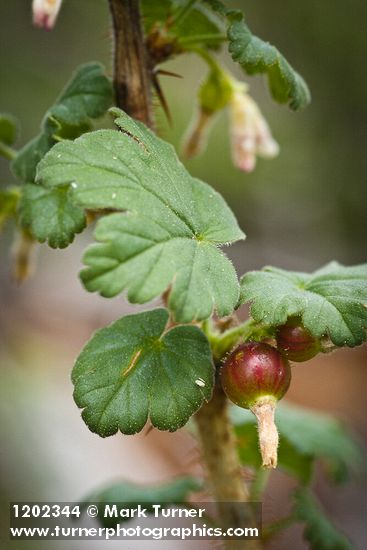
[(167, 73), (162, 99)]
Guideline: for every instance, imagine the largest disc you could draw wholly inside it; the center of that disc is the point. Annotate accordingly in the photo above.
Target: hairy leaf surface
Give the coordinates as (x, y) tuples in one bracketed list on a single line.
[(331, 301), (171, 234), (133, 371), (256, 56), (49, 215)]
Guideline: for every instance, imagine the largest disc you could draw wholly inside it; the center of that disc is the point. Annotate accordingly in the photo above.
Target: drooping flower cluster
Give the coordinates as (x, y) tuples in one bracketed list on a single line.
[(45, 13), (249, 132)]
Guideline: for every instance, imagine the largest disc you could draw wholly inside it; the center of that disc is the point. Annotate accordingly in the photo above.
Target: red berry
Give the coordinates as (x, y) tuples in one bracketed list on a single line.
[(255, 370), (296, 342), (255, 376)]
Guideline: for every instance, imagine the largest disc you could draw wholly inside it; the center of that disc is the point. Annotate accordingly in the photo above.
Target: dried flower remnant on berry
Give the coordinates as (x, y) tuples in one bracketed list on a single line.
[(45, 13), (250, 133)]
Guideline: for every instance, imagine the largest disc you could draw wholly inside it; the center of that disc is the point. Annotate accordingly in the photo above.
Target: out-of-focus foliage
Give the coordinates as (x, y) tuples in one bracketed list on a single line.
[(130, 494), (87, 95), (319, 531)]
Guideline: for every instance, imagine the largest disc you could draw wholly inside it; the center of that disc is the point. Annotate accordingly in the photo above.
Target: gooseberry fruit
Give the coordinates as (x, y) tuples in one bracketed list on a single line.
[(296, 342), (255, 376)]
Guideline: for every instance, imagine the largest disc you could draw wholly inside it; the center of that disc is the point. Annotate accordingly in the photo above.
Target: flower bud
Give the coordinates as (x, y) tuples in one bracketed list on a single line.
[(45, 13), (250, 133), (214, 94)]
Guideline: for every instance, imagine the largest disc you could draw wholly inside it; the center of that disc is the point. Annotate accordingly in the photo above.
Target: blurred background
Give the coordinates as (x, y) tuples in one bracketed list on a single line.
[(299, 211)]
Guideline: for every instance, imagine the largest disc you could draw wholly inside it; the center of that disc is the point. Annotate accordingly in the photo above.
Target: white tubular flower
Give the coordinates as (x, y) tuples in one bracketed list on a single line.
[(250, 133), (45, 13)]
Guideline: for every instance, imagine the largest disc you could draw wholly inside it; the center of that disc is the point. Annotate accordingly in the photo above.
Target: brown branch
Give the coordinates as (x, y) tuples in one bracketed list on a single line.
[(219, 449), (132, 75), (224, 470)]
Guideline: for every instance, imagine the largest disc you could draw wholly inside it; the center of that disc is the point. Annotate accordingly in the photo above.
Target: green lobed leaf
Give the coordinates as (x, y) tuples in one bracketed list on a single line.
[(129, 495), (256, 56), (49, 215), (8, 204), (331, 301), (319, 531), (87, 95), (135, 369), (8, 129), (171, 234), (305, 436)]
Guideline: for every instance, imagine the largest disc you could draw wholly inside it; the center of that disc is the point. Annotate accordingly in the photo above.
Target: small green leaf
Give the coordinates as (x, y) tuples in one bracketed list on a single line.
[(49, 215), (172, 231), (256, 56), (198, 26), (319, 531), (129, 495), (8, 129), (134, 370), (331, 301), (8, 204), (88, 95), (305, 436)]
